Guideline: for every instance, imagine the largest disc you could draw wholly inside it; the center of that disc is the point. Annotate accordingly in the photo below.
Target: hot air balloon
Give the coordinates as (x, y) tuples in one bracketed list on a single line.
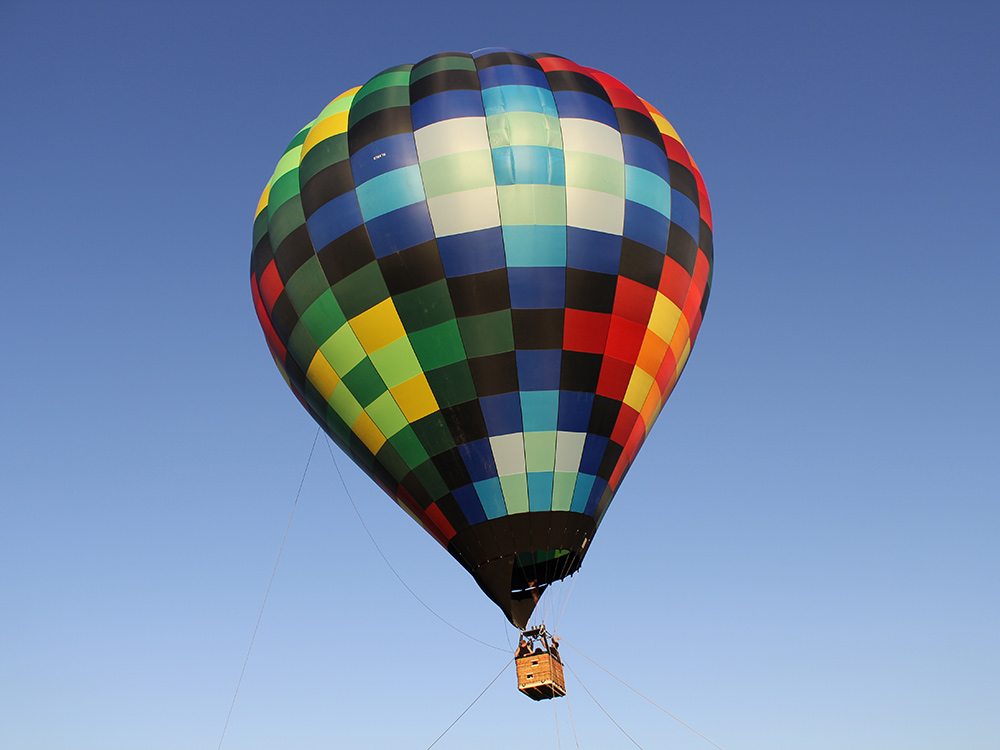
[(482, 275)]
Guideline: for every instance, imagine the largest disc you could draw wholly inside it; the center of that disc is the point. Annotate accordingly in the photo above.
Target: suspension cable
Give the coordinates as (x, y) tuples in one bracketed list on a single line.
[(386, 559), (620, 728), (471, 704), (645, 698), (274, 570)]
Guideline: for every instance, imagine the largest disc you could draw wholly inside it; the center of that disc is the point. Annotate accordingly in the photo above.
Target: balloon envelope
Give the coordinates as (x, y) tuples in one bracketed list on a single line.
[(482, 275)]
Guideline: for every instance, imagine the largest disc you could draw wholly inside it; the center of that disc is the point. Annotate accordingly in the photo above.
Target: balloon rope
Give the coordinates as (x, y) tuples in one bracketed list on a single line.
[(603, 708), (572, 723), (268, 591), (471, 704), (386, 559), (648, 700)]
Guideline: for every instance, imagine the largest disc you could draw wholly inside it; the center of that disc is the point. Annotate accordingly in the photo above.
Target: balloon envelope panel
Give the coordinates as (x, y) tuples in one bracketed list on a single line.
[(482, 275)]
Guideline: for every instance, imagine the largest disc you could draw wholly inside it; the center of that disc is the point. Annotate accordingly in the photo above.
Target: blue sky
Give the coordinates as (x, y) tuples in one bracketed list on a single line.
[(804, 554)]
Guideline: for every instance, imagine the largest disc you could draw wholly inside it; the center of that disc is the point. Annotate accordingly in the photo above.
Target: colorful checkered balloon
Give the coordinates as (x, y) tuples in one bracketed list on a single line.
[(482, 275)]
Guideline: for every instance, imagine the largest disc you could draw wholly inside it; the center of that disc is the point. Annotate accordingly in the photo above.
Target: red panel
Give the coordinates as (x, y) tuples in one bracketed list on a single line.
[(436, 517), (623, 425), (674, 282), (620, 94), (624, 339), (666, 372), (634, 301), (585, 331), (614, 378), (677, 152), (270, 335), (270, 286)]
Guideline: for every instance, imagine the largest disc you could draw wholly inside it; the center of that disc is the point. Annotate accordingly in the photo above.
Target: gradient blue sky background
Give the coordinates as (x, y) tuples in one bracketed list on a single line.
[(805, 554)]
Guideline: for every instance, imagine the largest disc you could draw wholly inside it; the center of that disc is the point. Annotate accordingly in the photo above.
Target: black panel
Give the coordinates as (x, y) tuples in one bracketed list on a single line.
[(705, 241), (640, 263), (631, 122), (682, 247), (538, 329), (293, 251), (479, 293), (505, 58), (610, 460), (379, 124), (580, 371), (443, 80), (683, 181), (494, 374), (452, 468), (603, 416), (412, 268), (262, 255), (346, 254), (570, 80), (465, 421), (590, 290), (329, 183), (283, 317)]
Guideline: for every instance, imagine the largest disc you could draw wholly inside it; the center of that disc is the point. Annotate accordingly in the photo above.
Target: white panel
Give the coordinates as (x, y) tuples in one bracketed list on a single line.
[(452, 136), (590, 209), (569, 450), (591, 137), (466, 211), (508, 452)]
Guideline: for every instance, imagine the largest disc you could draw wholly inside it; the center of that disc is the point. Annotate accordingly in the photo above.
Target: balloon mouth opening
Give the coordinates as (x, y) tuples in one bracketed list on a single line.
[(533, 570)]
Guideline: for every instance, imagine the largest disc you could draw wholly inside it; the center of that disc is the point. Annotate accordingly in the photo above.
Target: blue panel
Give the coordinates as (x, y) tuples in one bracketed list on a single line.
[(491, 497), (646, 226), (574, 410), (502, 413), (501, 99), (642, 153), (446, 105), (593, 251), (333, 219), (532, 245), (389, 191), (593, 453), (651, 190), (581, 493), (468, 501), (384, 155), (540, 410), (400, 229), (595, 495), (472, 252), (684, 213), (478, 458), (538, 370), (538, 287), (585, 106), (512, 75), (529, 165), (539, 490)]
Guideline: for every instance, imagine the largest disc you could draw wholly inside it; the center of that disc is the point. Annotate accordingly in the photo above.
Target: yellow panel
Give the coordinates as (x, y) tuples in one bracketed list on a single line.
[(638, 389), (330, 126), (651, 409), (661, 122), (415, 398), (262, 203), (651, 353), (368, 433), (681, 338), (663, 319), (378, 326), (322, 376)]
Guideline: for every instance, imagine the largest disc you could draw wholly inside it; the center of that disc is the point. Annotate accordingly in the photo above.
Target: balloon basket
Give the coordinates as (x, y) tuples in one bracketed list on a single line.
[(539, 665)]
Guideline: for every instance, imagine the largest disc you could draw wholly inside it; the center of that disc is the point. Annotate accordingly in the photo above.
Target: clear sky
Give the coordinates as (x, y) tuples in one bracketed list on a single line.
[(805, 554)]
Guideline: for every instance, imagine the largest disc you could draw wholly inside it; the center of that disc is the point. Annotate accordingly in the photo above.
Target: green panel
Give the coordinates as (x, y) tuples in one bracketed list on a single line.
[(434, 433), (307, 285), (532, 204), (564, 482), (285, 189), (385, 97), (386, 415), (595, 172), (438, 345), (335, 425), (393, 462), (259, 226), (343, 350), (515, 492), (345, 405), (490, 333), (286, 219), (302, 346), (364, 382), (396, 362), (408, 445), (452, 384), (424, 307), (454, 173), (324, 318), (540, 451), (361, 291), (442, 63), (431, 480), (327, 152)]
